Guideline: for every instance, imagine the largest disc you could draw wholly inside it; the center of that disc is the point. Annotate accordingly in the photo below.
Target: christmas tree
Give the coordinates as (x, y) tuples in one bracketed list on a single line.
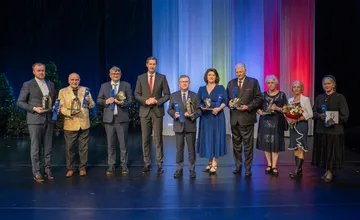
[(16, 124), (7, 102), (53, 76)]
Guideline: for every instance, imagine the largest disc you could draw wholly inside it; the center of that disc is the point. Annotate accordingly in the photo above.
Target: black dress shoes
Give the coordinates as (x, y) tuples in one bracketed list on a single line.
[(192, 174), (178, 173)]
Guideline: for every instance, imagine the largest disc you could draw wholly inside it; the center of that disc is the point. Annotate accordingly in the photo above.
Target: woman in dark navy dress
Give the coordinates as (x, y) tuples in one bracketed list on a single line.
[(212, 132), (270, 138)]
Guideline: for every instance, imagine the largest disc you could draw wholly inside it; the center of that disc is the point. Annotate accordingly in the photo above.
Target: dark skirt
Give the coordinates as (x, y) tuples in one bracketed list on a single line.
[(328, 151), (298, 136), (270, 134)]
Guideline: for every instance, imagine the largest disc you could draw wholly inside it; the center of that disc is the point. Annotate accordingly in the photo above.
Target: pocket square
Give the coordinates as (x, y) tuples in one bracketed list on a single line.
[(248, 89)]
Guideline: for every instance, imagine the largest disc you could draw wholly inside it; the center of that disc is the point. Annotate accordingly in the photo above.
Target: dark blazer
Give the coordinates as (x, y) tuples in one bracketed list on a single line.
[(123, 114), (251, 96), (160, 91), (190, 123), (31, 96)]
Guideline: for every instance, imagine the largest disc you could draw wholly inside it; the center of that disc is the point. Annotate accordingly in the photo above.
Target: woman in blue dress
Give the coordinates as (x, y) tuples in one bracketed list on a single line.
[(212, 132)]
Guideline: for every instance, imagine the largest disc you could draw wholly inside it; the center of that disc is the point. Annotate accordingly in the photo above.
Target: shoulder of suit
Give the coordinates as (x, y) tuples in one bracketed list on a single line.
[(175, 93), (124, 83), (106, 83), (250, 78)]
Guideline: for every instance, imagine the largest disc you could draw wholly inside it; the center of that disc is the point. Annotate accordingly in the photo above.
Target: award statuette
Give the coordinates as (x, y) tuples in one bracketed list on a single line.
[(46, 103), (269, 103), (236, 101), (190, 107), (56, 109), (120, 96), (87, 91), (75, 105), (178, 110), (207, 103)]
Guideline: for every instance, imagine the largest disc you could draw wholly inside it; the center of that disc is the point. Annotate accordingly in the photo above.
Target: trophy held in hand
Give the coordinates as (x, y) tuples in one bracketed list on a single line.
[(120, 96), (269, 104), (75, 106), (237, 102), (190, 107), (46, 103)]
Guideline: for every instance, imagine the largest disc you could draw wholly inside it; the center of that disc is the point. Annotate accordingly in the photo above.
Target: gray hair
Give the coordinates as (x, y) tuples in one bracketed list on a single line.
[(298, 82), (239, 65), (184, 76), (115, 69), (272, 77)]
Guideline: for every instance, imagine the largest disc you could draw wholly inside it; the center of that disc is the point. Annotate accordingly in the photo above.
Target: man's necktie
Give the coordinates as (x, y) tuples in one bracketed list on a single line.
[(184, 99), (151, 83), (115, 91)]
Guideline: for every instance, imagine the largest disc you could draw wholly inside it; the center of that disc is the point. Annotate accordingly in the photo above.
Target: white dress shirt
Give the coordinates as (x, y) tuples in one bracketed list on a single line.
[(43, 86)]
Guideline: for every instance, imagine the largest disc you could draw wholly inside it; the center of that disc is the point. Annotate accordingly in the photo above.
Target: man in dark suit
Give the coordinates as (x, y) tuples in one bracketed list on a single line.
[(187, 128), (152, 91), (243, 118), (116, 117), (41, 127)]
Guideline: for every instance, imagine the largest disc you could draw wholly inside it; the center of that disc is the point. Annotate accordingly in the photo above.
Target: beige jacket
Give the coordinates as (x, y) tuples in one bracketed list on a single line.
[(80, 120)]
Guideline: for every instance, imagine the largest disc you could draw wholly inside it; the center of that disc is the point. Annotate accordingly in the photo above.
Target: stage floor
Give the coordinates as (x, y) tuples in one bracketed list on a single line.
[(223, 196)]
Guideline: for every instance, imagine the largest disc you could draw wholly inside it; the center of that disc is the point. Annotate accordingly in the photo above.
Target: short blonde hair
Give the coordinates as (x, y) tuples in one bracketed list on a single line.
[(331, 79), (297, 82)]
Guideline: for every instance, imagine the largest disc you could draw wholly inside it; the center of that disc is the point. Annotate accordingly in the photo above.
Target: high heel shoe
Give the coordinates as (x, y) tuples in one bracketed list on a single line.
[(207, 168), (268, 171), (213, 170)]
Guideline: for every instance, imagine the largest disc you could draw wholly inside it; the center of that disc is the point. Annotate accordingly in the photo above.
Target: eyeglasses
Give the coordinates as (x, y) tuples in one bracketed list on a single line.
[(184, 81)]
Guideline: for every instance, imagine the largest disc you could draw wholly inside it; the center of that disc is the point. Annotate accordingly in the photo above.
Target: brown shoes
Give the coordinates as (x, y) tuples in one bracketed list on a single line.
[(39, 178), (70, 173), (82, 172)]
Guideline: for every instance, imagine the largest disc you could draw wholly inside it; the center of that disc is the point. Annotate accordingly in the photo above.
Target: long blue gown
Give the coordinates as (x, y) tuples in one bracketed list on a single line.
[(212, 131)]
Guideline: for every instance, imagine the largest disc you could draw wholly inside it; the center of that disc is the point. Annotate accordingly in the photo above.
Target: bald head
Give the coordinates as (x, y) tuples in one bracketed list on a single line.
[(74, 80)]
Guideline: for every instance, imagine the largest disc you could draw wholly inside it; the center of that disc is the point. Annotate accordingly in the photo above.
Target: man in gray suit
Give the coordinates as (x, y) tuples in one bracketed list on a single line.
[(116, 117), (243, 118), (41, 127), (186, 129), (152, 91)]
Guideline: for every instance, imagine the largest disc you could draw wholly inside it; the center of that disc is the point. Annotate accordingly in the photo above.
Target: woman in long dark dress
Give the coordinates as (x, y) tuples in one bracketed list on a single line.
[(211, 141), (272, 123), (299, 127), (329, 139)]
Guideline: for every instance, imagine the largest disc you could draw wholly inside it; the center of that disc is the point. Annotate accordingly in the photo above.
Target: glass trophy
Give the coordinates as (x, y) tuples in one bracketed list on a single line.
[(120, 96), (207, 104), (237, 102), (269, 103), (75, 105), (46, 103), (190, 107)]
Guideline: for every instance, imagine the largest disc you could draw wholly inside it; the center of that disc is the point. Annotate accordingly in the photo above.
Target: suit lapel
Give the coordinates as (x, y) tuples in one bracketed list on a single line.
[(37, 87), (157, 82), (121, 87), (146, 82)]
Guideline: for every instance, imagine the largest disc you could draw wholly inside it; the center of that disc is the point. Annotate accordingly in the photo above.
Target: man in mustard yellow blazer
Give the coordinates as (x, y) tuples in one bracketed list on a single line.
[(76, 122)]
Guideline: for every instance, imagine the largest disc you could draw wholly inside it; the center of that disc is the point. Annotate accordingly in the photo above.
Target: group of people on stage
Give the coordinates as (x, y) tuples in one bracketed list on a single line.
[(242, 96)]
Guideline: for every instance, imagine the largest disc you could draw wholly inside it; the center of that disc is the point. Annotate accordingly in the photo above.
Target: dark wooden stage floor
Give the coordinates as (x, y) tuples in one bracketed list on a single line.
[(223, 196)]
